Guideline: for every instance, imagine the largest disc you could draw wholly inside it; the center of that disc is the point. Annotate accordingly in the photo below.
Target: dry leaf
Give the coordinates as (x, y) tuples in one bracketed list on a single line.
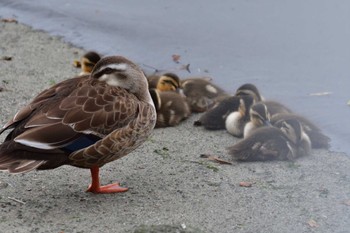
[(9, 20), (320, 93), (176, 58), (312, 223), (245, 184), (6, 58), (215, 159), (186, 67)]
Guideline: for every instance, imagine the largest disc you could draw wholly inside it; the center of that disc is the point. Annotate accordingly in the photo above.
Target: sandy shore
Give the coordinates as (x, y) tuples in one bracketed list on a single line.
[(172, 189)]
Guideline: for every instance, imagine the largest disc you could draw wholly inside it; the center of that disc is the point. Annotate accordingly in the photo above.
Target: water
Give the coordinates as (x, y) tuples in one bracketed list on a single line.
[(289, 49)]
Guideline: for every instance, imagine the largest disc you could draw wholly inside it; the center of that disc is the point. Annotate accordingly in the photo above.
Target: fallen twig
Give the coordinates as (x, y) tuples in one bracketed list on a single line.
[(215, 159), (16, 200)]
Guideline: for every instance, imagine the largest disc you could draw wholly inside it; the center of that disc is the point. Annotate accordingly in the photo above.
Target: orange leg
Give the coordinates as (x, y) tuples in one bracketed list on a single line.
[(95, 185)]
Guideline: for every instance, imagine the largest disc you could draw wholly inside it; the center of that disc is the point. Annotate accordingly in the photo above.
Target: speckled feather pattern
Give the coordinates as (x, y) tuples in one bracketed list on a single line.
[(67, 110)]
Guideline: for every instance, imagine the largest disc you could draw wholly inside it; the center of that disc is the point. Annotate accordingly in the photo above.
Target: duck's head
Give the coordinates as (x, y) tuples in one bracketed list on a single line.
[(259, 115), (88, 61), (118, 71), (249, 89), (168, 82)]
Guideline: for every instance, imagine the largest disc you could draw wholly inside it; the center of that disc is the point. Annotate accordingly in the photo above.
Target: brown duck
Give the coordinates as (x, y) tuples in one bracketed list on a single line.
[(85, 122)]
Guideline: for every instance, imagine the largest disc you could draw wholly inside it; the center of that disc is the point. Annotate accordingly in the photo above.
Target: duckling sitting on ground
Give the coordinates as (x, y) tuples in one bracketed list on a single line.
[(171, 108), (287, 142), (164, 82), (87, 62), (317, 138), (236, 120), (259, 116), (215, 118), (201, 94)]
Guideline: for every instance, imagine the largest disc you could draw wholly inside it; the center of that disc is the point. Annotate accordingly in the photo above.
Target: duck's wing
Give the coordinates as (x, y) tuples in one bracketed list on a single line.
[(68, 120)]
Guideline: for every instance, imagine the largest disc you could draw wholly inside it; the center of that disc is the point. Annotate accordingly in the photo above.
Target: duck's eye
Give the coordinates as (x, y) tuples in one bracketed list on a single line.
[(108, 70)]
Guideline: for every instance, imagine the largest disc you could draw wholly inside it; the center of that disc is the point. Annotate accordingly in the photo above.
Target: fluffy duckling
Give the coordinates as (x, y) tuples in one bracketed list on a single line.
[(287, 142), (164, 82), (259, 116), (236, 120), (215, 118), (171, 108), (87, 62), (317, 138), (86, 122), (202, 94)]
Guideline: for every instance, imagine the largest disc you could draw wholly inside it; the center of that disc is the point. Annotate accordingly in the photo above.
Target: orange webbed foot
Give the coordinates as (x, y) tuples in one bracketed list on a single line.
[(95, 186), (110, 188)]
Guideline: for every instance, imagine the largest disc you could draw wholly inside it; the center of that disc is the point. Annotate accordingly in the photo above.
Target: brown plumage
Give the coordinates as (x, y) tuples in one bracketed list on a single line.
[(214, 119), (85, 122), (287, 142), (201, 94), (317, 138), (171, 108)]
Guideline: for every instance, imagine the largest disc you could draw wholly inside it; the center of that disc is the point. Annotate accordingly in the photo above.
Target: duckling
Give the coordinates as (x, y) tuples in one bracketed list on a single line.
[(215, 118), (87, 62), (171, 108), (318, 139), (249, 89), (287, 142), (165, 82), (201, 94), (236, 120), (86, 122), (259, 116)]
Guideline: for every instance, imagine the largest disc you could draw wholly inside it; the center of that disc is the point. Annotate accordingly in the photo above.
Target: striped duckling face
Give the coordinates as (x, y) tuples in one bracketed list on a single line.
[(168, 82), (259, 115), (88, 61), (249, 89)]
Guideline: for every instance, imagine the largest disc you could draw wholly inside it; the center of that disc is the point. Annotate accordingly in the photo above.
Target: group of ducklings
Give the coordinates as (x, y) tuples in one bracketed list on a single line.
[(269, 130)]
